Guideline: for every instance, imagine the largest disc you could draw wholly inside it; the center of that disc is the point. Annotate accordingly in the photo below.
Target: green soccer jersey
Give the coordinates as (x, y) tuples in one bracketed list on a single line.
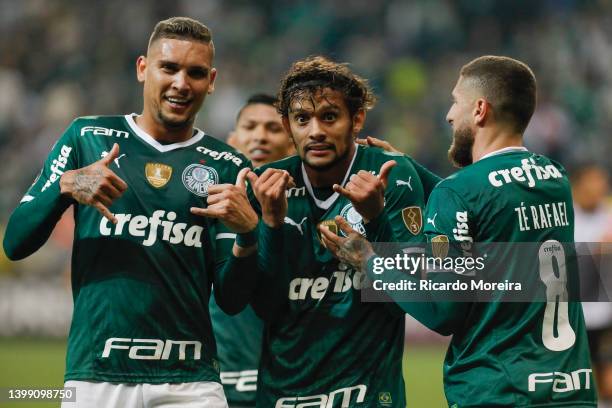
[(324, 347), (238, 347), (141, 287), (510, 354)]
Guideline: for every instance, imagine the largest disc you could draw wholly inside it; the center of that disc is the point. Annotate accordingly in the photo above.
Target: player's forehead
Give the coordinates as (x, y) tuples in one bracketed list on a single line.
[(259, 112), (181, 51), (318, 100)]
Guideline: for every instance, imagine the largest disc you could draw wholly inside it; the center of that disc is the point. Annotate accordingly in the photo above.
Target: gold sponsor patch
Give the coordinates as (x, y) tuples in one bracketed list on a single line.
[(330, 224), (439, 246), (384, 399), (158, 174), (413, 219)]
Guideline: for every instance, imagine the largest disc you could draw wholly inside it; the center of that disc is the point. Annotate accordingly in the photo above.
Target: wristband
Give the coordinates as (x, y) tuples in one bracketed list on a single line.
[(246, 239)]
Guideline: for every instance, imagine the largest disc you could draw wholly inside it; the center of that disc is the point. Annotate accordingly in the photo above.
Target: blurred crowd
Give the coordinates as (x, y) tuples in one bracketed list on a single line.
[(63, 59)]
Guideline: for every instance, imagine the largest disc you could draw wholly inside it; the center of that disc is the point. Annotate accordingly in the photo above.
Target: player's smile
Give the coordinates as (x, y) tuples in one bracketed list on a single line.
[(177, 75)]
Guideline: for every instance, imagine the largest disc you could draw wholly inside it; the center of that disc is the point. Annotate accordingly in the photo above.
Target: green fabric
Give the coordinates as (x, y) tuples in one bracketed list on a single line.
[(146, 281), (320, 339), (497, 347)]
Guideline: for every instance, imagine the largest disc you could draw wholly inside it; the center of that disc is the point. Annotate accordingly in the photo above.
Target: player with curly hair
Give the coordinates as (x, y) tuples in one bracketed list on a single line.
[(322, 345)]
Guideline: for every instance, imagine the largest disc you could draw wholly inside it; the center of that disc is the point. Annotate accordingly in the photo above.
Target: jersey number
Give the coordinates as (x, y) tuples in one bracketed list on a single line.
[(557, 333)]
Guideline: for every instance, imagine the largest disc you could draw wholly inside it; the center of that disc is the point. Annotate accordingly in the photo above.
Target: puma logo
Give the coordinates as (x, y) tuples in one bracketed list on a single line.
[(295, 224)]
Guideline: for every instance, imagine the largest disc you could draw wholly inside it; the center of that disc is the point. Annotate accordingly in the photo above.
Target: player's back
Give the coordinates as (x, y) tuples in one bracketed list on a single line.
[(512, 353)]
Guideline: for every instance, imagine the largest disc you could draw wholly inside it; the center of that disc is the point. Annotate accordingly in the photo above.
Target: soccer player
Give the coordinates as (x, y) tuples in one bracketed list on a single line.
[(144, 258), (322, 345), (259, 132), (503, 354), (260, 135)]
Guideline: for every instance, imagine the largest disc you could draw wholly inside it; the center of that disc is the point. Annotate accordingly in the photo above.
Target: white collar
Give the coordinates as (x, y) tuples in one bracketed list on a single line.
[(505, 150), (325, 204), (147, 138)]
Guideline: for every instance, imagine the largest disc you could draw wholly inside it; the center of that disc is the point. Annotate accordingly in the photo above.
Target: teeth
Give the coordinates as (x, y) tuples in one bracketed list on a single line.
[(174, 100), (258, 151)]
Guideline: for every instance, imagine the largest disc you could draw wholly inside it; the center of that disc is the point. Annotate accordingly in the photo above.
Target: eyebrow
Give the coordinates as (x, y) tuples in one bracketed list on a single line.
[(177, 65)]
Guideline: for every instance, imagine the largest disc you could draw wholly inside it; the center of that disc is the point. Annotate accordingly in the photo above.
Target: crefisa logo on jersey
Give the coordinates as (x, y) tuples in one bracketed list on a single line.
[(197, 178), (353, 218)]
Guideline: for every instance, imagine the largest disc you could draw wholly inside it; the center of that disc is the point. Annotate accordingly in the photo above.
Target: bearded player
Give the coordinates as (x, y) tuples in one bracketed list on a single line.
[(503, 354)]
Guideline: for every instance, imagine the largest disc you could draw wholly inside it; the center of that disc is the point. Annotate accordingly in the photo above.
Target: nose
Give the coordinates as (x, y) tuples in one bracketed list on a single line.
[(260, 135), (316, 130), (180, 82), (449, 119)]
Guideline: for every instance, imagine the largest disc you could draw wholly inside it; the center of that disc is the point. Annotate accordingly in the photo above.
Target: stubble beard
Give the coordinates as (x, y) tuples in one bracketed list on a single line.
[(173, 124)]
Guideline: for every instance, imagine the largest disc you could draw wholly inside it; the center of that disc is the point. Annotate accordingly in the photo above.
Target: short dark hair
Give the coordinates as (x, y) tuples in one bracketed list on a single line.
[(182, 28), (307, 76), (258, 98), (508, 85)]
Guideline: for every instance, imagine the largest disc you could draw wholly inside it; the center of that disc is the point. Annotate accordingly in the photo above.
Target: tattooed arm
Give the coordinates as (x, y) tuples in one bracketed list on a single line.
[(95, 185), (59, 185)]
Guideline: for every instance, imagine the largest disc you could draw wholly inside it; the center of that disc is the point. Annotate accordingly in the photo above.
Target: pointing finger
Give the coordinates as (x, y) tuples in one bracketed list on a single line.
[(241, 178), (105, 212), (344, 226), (385, 169), (342, 191)]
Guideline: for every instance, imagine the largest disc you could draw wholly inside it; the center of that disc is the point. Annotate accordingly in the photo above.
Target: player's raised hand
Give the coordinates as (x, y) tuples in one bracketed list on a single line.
[(353, 250), (95, 185), (367, 191), (270, 190), (229, 203), (372, 141)]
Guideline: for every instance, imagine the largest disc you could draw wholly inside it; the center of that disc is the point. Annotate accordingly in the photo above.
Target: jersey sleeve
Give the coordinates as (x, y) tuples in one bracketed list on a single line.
[(272, 282), (32, 222), (234, 277), (404, 204), (449, 231), (429, 180)]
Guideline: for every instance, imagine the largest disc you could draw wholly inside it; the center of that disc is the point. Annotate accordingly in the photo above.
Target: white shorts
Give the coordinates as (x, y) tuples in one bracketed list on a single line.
[(89, 394)]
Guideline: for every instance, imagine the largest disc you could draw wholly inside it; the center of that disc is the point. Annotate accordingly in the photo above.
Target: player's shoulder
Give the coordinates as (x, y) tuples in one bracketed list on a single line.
[(291, 164), (218, 150), (109, 125), (371, 158), (87, 128)]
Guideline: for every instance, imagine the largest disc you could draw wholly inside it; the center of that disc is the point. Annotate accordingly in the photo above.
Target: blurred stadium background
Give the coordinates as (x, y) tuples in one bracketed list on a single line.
[(62, 59)]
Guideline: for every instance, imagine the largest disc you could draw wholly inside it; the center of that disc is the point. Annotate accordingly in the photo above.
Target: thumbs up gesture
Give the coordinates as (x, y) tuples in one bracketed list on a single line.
[(229, 203), (95, 185), (367, 191)]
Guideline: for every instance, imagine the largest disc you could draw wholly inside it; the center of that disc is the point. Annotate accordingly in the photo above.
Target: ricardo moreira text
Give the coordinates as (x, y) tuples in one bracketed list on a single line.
[(412, 264)]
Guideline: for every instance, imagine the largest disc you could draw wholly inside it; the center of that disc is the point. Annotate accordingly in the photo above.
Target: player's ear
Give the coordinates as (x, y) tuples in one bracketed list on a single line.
[(213, 76), (358, 121), (481, 110), (141, 67)]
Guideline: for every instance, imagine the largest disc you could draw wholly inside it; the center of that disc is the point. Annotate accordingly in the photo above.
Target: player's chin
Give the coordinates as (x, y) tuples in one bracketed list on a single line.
[(320, 162), (173, 120)]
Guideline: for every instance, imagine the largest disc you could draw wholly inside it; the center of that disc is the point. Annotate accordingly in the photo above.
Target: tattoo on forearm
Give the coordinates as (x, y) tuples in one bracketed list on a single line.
[(352, 251)]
